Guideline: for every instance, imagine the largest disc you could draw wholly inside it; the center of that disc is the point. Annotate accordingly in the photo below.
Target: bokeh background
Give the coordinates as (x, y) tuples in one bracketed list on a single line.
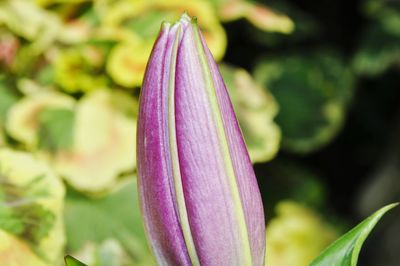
[(315, 85)]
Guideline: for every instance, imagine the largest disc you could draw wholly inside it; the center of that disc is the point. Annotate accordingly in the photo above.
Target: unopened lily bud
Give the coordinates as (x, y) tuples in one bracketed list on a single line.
[(199, 194)]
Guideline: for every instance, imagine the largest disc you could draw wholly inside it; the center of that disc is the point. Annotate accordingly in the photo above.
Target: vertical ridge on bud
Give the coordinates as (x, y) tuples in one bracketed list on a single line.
[(211, 93), (156, 194), (246, 180), (180, 200)]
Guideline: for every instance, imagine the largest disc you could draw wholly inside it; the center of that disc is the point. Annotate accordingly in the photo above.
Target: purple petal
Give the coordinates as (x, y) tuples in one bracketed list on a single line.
[(247, 182), (214, 215), (154, 167)]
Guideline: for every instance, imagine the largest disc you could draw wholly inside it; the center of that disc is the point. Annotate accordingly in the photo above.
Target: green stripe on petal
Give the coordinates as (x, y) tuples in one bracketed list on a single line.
[(212, 97), (180, 198)]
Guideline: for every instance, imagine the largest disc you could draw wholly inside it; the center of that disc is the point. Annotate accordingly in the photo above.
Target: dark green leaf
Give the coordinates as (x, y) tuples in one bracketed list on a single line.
[(312, 91), (386, 13), (345, 250), (378, 51)]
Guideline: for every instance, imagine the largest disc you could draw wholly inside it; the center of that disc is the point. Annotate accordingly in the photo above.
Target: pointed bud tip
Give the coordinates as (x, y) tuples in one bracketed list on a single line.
[(165, 26), (185, 17)]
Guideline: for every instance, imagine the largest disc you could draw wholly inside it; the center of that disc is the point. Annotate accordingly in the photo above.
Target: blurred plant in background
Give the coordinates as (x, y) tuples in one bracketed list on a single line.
[(71, 73), (70, 79), (296, 235), (31, 224)]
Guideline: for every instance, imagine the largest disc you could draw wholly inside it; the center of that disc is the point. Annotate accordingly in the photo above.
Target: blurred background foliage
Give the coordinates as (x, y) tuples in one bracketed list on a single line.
[(316, 90)]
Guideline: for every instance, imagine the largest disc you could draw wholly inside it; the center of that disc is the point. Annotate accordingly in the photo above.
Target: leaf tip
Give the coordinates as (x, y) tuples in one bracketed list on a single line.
[(71, 261)]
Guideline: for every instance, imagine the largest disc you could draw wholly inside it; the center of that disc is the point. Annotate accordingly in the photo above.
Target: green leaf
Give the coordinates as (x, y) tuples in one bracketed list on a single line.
[(31, 222), (378, 51), (22, 215), (56, 129), (71, 261), (379, 47), (313, 91), (7, 99), (31, 205), (345, 250), (385, 13), (114, 216), (45, 75)]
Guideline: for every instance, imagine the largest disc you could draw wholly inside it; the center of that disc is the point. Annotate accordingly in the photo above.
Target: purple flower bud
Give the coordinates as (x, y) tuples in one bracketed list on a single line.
[(199, 195)]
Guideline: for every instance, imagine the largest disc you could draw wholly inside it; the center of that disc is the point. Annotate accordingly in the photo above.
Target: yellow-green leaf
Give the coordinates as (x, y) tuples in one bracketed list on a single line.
[(71, 261), (345, 250)]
